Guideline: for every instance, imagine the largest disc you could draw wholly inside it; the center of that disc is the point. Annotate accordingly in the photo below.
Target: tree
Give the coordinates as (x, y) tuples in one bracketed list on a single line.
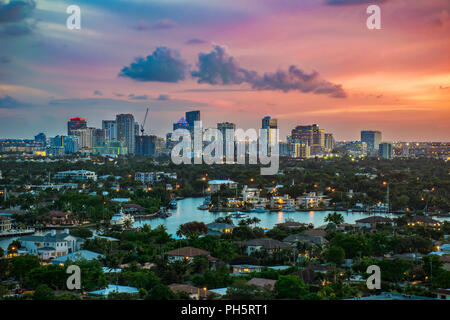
[(190, 229), (290, 287), (241, 290), (335, 218), (335, 255), (21, 265), (160, 292), (43, 292), (2, 252)]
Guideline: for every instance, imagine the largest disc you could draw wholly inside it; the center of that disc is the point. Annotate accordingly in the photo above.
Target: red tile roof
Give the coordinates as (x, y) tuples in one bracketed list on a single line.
[(188, 252)]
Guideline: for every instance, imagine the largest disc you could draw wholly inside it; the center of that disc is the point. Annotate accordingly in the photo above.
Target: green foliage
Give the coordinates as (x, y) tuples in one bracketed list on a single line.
[(43, 292), (81, 232), (21, 265), (240, 290), (290, 287), (335, 255), (213, 279)]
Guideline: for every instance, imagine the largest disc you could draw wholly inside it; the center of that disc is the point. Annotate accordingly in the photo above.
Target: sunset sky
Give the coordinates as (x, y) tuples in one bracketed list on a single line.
[(300, 61)]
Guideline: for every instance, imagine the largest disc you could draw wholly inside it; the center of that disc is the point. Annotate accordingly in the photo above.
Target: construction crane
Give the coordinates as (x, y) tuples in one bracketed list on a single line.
[(143, 123)]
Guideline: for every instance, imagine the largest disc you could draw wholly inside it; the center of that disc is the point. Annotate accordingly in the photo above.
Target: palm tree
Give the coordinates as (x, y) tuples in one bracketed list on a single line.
[(335, 218)]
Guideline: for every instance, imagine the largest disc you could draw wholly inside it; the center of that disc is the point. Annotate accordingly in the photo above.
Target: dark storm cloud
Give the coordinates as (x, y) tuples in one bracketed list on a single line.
[(98, 93), (16, 29), (350, 2), (217, 67), (15, 11), (164, 65)]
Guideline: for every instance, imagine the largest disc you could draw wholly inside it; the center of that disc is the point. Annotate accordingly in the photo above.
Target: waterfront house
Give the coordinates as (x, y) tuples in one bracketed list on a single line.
[(131, 208), (52, 244), (372, 221), (62, 218), (443, 294), (293, 239), (313, 200), (216, 185), (5, 224), (270, 245)]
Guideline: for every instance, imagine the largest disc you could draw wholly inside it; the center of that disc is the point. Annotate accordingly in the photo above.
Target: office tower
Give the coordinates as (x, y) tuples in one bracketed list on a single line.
[(329, 142), (110, 128), (191, 117), (136, 129), (86, 138), (227, 129), (149, 146), (41, 139), (301, 150), (99, 137), (372, 139), (126, 131), (385, 150), (311, 135), (180, 124), (61, 145), (356, 149), (75, 124), (271, 125)]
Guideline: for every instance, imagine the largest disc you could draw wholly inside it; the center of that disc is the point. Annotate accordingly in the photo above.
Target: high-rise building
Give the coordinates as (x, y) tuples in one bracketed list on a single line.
[(75, 124), (301, 150), (110, 128), (126, 131), (41, 139), (180, 124), (356, 149), (372, 139), (271, 125), (329, 142), (311, 135), (227, 129), (61, 145), (86, 138), (191, 117), (149, 146), (386, 150)]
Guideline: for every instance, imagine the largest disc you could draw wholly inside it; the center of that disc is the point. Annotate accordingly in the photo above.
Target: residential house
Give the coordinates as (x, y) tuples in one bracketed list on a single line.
[(189, 253), (216, 185), (62, 218), (5, 224), (423, 221), (270, 245), (51, 245), (217, 228), (193, 292), (313, 200), (372, 221), (443, 294), (77, 256), (262, 283), (239, 269), (131, 208)]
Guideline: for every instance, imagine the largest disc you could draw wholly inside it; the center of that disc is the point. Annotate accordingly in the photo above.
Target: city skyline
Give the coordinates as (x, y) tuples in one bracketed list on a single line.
[(333, 70)]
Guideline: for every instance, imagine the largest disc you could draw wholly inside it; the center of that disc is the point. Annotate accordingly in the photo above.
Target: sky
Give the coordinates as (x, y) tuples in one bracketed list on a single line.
[(302, 62)]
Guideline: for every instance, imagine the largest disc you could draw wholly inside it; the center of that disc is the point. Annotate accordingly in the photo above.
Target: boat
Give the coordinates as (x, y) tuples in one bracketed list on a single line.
[(164, 213), (203, 207), (259, 209), (121, 218), (173, 204), (238, 215), (288, 209)]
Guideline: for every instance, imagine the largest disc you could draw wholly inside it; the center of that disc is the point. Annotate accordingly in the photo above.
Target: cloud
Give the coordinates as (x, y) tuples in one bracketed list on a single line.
[(8, 102), (98, 93), (352, 2), (133, 97), (163, 97), (16, 10), (164, 65), (164, 24), (5, 59), (195, 41), (217, 67), (17, 29), (118, 94)]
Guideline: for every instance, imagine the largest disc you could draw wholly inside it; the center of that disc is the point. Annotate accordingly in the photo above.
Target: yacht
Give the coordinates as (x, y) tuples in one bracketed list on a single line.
[(203, 207), (288, 209), (259, 209), (120, 218), (173, 204)]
